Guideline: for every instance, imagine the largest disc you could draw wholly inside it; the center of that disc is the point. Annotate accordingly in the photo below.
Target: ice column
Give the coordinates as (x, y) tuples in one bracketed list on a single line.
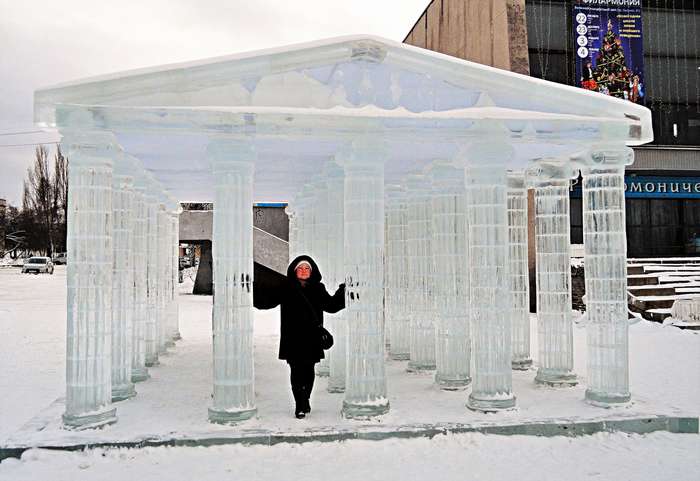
[(488, 275), (89, 281), (420, 224), (397, 299), (293, 229), (139, 372), (365, 393), (337, 324), (163, 275), (232, 254), (122, 277), (552, 248), (303, 207), (451, 277), (320, 248), (606, 276), (519, 280), (175, 269), (150, 327)]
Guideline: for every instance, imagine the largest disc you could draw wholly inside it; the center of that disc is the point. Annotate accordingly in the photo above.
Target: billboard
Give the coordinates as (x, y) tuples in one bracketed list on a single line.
[(608, 44)]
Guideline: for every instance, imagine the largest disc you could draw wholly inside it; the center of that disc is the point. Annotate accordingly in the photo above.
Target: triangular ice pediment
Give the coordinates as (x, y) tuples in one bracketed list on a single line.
[(343, 72)]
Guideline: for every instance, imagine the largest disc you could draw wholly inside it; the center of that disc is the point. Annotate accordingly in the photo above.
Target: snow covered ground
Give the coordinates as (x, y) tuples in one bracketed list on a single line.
[(655, 457), (664, 377)]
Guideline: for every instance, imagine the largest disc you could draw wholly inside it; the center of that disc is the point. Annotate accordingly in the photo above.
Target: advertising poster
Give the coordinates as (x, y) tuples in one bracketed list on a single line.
[(608, 46)]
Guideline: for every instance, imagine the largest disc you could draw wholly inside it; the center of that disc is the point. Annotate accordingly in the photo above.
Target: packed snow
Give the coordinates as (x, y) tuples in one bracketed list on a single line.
[(32, 317)]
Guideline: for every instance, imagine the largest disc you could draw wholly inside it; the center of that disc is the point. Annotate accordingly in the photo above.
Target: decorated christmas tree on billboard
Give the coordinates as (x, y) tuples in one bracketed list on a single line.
[(609, 56)]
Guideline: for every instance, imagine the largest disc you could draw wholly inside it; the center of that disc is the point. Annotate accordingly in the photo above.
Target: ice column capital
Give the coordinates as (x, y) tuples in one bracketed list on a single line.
[(548, 173), (90, 146), (606, 156)]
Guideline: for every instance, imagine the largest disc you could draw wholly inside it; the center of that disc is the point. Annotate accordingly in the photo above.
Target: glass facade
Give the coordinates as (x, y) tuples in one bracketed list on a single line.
[(671, 64)]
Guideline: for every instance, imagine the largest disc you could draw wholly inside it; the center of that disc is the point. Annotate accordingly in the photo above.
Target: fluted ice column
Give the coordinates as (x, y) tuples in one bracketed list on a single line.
[(122, 277), (420, 224), (293, 230), (304, 217), (365, 393), (518, 275), (337, 323), (552, 248), (232, 253), (174, 270), (397, 313), (320, 248), (89, 281), (139, 372), (150, 327), (163, 276), (451, 277), (490, 296), (605, 246)]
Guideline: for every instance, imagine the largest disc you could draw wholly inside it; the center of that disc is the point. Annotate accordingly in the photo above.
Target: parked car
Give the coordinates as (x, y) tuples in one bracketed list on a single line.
[(59, 258), (38, 265)]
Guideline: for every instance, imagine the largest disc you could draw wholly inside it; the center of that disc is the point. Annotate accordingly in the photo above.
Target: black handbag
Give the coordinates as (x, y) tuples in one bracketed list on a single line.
[(325, 338)]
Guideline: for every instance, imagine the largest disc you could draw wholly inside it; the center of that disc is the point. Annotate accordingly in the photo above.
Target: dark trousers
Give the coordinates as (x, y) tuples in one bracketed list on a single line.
[(302, 375)]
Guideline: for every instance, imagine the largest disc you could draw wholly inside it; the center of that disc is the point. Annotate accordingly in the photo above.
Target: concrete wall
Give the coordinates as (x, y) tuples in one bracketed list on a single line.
[(270, 243), (490, 32), (196, 225)]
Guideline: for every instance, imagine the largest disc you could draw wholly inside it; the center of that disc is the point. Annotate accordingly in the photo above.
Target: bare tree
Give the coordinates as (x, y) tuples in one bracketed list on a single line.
[(60, 196), (45, 202)]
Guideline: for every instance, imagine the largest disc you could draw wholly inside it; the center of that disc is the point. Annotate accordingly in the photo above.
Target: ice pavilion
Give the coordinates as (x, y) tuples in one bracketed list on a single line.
[(390, 155)]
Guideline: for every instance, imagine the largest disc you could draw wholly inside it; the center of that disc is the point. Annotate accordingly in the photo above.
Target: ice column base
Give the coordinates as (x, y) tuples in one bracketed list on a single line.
[(123, 393), (367, 410), (449, 384), (152, 362), (139, 375), (523, 365), (231, 417), (556, 378), (323, 370), (491, 405), (417, 366), (90, 420), (605, 400)]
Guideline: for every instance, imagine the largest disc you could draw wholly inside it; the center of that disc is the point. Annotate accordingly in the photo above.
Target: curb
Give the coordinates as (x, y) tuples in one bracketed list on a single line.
[(642, 425)]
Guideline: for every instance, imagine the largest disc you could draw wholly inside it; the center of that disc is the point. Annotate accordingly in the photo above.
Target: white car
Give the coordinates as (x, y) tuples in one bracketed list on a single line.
[(38, 265)]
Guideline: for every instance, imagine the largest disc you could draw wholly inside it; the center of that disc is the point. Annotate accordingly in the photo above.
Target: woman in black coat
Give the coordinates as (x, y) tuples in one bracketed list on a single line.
[(303, 299)]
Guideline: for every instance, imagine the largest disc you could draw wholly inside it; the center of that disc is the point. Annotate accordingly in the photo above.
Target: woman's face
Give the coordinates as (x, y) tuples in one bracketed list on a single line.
[(303, 272)]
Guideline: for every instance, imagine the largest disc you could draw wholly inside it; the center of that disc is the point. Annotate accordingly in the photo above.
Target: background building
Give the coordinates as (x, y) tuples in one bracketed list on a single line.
[(663, 198), (2, 226)]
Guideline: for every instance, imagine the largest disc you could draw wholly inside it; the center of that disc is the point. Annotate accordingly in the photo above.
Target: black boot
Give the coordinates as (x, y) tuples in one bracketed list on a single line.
[(299, 412)]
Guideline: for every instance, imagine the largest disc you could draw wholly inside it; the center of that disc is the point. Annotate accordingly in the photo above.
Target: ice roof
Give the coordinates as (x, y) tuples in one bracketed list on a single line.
[(302, 101)]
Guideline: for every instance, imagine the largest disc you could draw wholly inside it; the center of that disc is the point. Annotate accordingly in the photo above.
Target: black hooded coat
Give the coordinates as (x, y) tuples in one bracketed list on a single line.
[(301, 311)]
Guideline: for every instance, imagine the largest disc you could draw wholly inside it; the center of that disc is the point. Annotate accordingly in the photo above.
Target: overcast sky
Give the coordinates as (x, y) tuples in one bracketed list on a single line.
[(46, 42)]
